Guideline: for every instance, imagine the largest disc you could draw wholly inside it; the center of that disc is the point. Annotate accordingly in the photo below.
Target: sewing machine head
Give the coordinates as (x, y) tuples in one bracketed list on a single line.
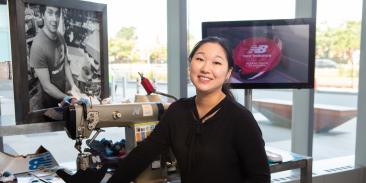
[(81, 120)]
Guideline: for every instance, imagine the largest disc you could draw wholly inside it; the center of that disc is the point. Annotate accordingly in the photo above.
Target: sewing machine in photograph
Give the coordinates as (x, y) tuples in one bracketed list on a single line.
[(139, 119)]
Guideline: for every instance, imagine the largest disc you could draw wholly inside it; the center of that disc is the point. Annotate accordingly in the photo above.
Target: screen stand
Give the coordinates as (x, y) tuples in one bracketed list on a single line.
[(1, 138), (1, 144), (248, 99)]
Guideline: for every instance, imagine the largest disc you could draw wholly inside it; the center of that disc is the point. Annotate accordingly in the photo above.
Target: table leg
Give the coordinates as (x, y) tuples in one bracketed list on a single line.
[(306, 172)]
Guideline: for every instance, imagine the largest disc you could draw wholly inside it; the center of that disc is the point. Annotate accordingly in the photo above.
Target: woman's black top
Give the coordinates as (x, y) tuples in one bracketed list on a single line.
[(226, 148)]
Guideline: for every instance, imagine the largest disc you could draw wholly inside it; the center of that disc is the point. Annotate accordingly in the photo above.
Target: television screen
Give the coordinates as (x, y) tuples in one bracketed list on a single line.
[(269, 53)]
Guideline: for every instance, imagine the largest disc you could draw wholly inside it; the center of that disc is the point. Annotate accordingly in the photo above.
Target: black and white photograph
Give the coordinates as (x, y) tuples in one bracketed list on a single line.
[(61, 53)]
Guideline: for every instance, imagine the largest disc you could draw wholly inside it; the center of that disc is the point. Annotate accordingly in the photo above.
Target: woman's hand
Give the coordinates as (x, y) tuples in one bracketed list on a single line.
[(90, 175)]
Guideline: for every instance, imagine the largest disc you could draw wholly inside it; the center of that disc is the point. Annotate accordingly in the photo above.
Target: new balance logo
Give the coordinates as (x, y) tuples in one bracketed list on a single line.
[(258, 49)]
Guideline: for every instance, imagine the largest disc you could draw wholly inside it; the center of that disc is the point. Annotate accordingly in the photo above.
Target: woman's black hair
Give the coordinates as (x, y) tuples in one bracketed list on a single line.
[(229, 57)]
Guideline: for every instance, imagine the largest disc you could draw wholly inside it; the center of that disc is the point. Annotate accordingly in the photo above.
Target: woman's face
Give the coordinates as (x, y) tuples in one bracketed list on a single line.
[(209, 68)]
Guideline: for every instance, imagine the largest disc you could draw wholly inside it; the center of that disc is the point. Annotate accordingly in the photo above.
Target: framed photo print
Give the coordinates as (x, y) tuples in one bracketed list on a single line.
[(59, 48)]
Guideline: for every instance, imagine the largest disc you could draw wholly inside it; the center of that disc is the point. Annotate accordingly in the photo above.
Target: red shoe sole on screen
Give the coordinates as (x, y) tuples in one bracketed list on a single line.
[(256, 56)]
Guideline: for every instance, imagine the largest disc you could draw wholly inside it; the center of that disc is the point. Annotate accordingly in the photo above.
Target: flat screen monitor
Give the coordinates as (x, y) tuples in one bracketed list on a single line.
[(269, 53)]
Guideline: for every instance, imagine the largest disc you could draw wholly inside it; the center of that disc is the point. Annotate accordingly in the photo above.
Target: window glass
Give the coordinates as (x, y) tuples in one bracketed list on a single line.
[(137, 43), (5, 54), (336, 77), (6, 83)]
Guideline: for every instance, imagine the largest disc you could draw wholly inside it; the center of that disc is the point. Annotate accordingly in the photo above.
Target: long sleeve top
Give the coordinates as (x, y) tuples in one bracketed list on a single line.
[(227, 147)]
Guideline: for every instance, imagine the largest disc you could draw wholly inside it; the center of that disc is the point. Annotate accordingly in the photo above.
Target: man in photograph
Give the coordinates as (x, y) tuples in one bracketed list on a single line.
[(48, 57)]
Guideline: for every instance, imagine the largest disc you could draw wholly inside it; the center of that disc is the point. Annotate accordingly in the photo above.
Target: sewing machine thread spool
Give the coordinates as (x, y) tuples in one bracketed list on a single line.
[(147, 98), (141, 98), (154, 98)]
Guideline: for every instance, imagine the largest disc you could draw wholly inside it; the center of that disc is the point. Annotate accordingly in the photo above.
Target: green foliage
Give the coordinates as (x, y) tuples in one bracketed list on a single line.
[(338, 43), (159, 55), (127, 33), (121, 47), (348, 72)]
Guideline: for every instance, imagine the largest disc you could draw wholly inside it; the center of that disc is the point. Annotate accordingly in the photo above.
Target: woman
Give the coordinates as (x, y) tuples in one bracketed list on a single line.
[(213, 138)]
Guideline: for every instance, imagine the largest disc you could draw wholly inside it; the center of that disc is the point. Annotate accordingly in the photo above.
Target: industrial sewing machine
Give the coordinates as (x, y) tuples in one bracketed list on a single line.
[(82, 120), (138, 118)]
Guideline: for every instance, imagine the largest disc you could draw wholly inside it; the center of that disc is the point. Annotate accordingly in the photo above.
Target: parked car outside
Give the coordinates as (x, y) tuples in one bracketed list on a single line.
[(326, 63)]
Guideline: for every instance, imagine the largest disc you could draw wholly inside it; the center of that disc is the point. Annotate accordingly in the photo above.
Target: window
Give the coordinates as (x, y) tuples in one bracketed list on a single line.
[(4, 33), (137, 43), (336, 77)]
